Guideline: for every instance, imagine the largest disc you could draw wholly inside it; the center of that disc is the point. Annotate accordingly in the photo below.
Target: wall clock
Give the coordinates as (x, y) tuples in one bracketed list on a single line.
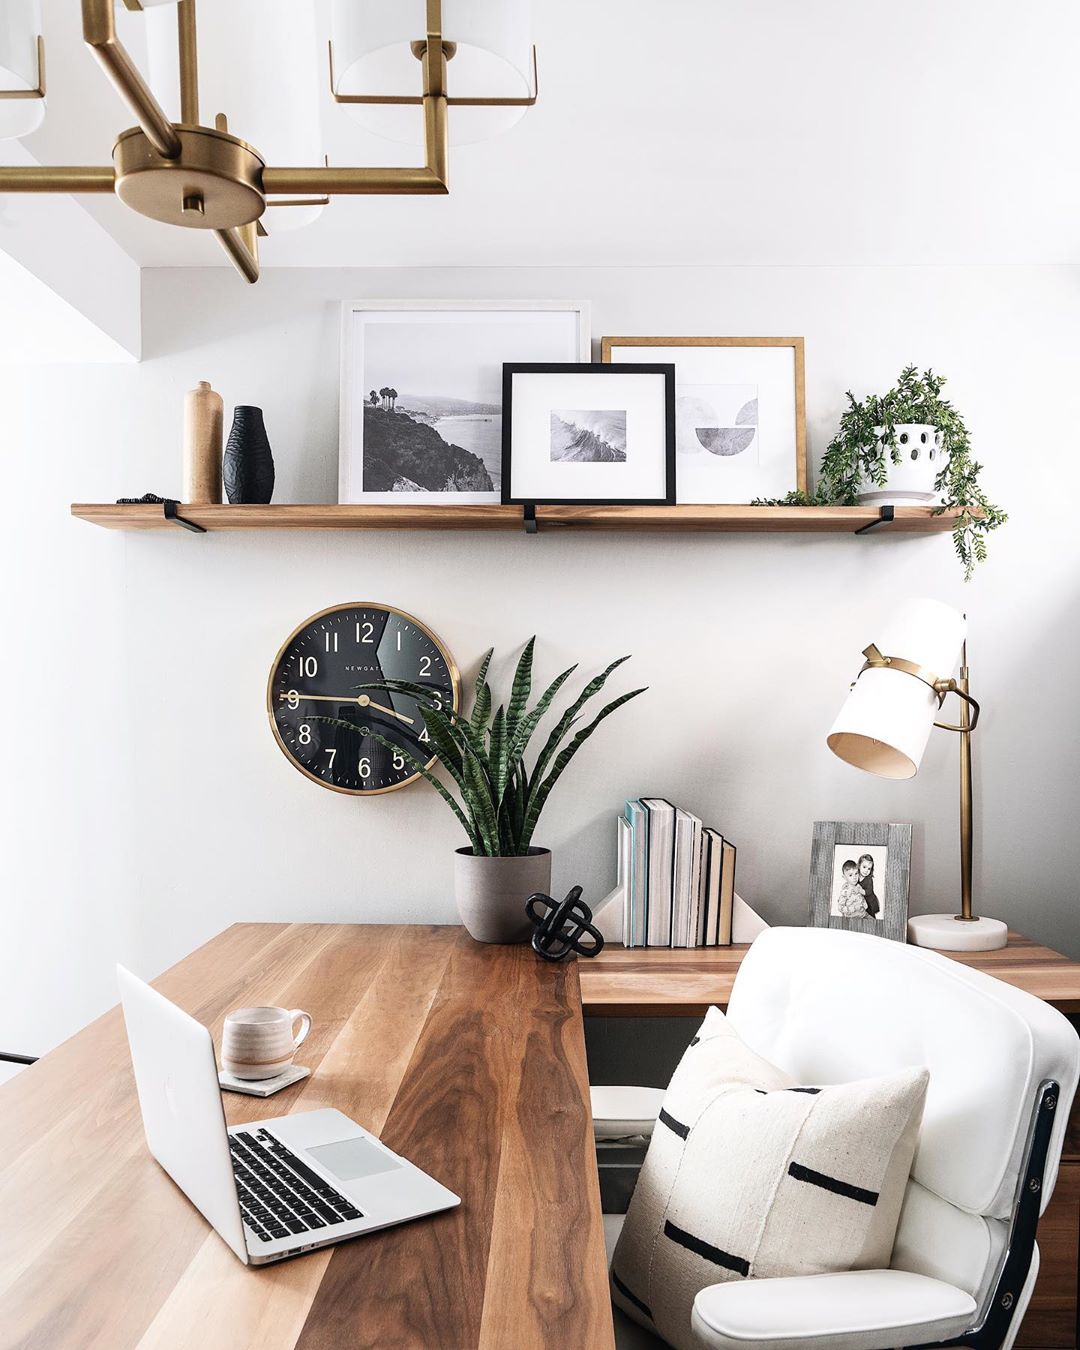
[(320, 671)]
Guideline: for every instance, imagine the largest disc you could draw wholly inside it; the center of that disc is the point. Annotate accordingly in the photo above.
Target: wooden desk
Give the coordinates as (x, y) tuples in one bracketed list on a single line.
[(656, 982), (469, 1060)]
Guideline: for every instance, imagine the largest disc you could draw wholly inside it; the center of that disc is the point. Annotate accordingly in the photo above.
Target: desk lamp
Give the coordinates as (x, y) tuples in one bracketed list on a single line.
[(885, 724)]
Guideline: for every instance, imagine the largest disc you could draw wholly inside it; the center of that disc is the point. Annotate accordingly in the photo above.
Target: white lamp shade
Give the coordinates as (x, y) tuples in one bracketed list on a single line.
[(886, 721), (259, 64), (20, 27), (372, 55)]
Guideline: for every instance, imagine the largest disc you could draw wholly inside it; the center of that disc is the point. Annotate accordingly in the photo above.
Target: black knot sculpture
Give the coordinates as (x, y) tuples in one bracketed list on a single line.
[(561, 925)]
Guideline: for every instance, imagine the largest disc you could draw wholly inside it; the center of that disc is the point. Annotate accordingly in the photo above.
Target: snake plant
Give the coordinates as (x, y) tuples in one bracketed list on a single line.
[(500, 797)]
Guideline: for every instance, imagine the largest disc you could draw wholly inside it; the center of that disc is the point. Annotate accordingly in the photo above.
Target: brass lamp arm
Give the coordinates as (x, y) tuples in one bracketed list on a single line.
[(951, 687), (942, 688), (969, 717)]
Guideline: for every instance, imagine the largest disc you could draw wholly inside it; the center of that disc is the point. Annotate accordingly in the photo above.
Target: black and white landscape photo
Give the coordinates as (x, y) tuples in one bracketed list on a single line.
[(425, 414), (588, 436)]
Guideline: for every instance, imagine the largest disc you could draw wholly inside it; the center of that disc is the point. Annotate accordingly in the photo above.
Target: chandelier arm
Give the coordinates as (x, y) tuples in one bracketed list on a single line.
[(99, 34), (343, 181), (324, 180), (241, 243), (436, 130), (452, 101), (188, 55), (39, 91), (57, 178)]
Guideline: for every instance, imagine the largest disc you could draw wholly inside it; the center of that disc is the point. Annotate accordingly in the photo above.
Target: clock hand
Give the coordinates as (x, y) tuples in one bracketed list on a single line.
[(363, 700)]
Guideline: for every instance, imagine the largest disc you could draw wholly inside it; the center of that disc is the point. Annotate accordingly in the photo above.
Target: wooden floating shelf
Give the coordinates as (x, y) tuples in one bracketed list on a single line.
[(764, 519)]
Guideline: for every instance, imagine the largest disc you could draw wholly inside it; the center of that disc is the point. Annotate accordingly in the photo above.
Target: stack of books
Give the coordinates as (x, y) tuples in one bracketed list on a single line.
[(677, 878)]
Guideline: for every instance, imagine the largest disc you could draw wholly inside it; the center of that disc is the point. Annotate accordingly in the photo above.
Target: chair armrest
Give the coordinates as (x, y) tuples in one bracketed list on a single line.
[(625, 1112), (853, 1310)]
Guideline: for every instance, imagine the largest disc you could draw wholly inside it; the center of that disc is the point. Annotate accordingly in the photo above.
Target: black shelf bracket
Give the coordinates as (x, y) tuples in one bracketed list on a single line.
[(888, 515), (528, 512), (169, 508)]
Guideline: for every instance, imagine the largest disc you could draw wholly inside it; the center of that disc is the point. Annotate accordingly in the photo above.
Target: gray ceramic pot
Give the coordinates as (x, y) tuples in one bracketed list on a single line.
[(491, 892)]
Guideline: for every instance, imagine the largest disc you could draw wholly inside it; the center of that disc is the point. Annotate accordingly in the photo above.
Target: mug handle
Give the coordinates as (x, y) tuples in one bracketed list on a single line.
[(305, 1018)]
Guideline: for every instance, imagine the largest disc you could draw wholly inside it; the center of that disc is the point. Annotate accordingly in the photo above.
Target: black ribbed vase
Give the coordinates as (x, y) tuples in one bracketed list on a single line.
[(248, 467)]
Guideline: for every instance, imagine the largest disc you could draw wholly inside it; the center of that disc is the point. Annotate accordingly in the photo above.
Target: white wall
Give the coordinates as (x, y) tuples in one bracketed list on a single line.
[(147, 806)]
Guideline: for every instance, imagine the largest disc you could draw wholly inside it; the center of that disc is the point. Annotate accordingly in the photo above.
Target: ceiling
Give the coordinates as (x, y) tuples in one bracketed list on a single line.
[(695, 132)]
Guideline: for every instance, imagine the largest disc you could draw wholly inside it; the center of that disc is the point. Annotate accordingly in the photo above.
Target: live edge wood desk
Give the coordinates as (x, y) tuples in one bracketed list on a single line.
[(470, 1061)]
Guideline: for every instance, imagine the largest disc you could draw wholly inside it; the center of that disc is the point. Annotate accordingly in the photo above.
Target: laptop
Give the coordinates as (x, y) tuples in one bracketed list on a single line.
[(272, 1189)]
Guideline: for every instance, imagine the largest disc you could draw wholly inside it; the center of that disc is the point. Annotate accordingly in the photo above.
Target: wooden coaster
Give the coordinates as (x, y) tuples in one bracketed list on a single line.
[(263, 1087)]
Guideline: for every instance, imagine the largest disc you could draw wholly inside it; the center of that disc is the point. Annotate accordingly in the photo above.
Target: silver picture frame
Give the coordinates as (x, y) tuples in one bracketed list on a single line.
[(871, 898)]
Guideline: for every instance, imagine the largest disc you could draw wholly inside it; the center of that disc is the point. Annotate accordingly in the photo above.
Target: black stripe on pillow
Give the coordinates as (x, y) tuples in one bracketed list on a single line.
[(631, 1297), (833, 1184), (676, 1126), (695, 1040), (705, 1249), (812, 1091)]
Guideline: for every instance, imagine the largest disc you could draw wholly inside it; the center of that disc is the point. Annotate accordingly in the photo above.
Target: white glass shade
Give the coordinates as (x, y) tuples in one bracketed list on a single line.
[(886, 721), (20, 26), (260, 63), (372, 55)]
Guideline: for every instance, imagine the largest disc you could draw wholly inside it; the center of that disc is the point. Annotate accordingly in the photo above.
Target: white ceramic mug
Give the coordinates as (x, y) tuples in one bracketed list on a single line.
[(260, 1042)]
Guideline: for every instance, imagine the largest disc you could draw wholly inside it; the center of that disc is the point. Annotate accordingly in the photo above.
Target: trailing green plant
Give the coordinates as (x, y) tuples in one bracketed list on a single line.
[(500, 797), (867, 435)]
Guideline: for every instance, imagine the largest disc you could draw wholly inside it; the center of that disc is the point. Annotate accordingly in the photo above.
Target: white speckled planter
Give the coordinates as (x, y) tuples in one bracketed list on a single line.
[(911, 482), (491, 892)]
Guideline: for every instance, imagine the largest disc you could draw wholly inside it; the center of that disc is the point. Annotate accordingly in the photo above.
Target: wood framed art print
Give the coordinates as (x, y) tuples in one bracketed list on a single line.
[(583, 435), (860, 873), (740, 413)]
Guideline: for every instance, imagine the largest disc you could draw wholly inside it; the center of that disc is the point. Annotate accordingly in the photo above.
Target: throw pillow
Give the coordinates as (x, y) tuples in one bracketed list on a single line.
[(749, 1174)]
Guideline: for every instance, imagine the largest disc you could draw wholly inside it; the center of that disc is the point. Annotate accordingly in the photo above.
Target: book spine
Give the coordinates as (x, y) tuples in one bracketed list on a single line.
[(623, 849)]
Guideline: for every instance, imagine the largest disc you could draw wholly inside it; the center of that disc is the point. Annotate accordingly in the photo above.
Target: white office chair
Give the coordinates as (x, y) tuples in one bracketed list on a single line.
[(831, 1007)]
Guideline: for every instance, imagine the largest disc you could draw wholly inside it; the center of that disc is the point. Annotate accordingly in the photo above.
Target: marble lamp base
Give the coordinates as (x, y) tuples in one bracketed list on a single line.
[(947, 933)]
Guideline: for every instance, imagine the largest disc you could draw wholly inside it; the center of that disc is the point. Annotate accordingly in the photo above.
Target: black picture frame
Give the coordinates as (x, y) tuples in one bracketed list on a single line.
[(512, 369), (847, 836)]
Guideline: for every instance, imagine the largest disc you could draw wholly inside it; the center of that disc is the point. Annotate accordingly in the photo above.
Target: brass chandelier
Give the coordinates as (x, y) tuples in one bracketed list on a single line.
[(205, 177)]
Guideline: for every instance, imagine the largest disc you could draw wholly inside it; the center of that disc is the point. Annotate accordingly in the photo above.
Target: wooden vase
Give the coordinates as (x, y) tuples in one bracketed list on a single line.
[(204, 417)]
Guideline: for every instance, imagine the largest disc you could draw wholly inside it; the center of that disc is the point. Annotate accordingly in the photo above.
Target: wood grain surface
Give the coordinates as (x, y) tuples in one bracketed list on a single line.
[(493, 516), (470, 1060), (664, 982)]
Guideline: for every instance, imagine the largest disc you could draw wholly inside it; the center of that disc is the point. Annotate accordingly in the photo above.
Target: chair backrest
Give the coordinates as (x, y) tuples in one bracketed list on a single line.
[(830, 1006)]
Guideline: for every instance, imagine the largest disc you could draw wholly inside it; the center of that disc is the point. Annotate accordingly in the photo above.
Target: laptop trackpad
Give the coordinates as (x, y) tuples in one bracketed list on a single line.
[(351, 1159)]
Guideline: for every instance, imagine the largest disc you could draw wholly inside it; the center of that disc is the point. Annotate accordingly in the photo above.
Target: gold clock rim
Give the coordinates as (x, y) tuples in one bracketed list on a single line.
[(451, 665)]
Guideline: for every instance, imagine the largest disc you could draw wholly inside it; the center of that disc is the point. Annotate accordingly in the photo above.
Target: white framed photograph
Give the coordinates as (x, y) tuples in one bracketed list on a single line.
[(421, 392), (740, 419), (577, 434)]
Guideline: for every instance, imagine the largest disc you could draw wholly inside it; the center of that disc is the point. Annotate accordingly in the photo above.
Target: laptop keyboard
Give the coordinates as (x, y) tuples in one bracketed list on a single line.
[(278, 1193)]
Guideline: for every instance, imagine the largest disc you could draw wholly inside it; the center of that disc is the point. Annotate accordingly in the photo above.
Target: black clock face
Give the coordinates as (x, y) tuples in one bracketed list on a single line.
[(321, 672)]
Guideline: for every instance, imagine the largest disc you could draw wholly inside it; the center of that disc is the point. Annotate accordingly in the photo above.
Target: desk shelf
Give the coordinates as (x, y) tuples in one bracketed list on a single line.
[(749, 519)]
